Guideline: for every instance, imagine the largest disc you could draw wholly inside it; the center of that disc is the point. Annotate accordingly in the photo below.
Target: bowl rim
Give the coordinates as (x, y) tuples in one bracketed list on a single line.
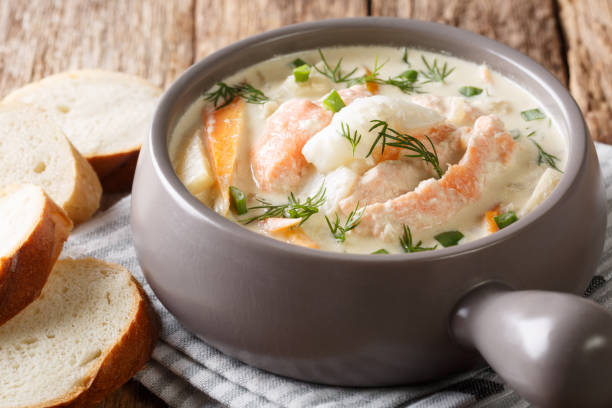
[(577, 137)]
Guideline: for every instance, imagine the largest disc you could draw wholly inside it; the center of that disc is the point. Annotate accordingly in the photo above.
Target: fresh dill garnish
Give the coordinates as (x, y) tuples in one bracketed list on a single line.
[(353, 139), (369, 76), (405, 56), (225, 94), (391, 137), (531, 134), (294, 208), (544, 157), (434, 73), (405, 82), (408, 246), (335, 73), (352, 221), (381, 251), (469, 91)]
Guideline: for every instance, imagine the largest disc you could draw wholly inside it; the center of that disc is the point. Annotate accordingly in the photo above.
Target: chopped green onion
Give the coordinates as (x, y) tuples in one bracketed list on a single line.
[(411, 75), (515, 133), (468, 91), (449, 238), (301, 73), (238, 200), (333, 102), (505, 219), (532, 114), (380, 251), (298, 62)]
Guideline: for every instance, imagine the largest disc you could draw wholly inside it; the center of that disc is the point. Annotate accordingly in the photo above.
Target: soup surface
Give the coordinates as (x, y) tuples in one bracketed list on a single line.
[(369, 150)]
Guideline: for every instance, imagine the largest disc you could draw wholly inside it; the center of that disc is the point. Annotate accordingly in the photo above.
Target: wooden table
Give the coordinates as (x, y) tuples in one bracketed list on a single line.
[(158, 39)]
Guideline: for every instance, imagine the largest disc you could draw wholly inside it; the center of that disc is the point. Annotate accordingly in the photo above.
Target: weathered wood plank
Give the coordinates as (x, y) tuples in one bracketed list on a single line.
[(219, 23), (153, 39), (588, 30), (527, 25)]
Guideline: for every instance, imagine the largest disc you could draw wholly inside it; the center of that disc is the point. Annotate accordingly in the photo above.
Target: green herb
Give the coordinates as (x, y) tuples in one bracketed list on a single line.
[(335, 73), (333, 102), (298, 62), (532, 114), (405, 81), (391, 137), (225, 94), (505, 219), (449, 238), (380, 251), (544, 157), (405, 56), (369, 77), (353, 220), (532, 133), (353, 139), (301, 73), (406, 242), (515, 133), (434, 73), (469, 91), (238, 200), (294, 208)]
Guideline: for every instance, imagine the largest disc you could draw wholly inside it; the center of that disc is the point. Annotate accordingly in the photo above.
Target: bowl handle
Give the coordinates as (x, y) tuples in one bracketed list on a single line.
[(554, 349)]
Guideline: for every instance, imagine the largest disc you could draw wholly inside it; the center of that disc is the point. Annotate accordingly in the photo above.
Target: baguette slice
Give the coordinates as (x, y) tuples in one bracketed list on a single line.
[(33, 230), (90, 331), (106, 115), (34, 150)]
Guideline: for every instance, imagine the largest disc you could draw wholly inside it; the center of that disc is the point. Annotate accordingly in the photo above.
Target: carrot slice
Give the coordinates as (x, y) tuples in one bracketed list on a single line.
[(295, 236), (489, 217), (223, 129), (371, 86)]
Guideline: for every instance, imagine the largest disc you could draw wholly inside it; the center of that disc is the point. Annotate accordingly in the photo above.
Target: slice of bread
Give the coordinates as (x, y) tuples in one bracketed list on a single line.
[(90, 330), (106, 115), (32, 233), (34, 150)]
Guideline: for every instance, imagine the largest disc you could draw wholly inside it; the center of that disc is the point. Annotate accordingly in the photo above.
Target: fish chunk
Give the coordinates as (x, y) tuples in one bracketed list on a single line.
[(434, 202), (454, 108)]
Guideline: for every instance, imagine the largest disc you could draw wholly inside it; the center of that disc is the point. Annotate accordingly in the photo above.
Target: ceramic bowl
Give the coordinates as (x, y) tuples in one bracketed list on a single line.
[(365, 320)]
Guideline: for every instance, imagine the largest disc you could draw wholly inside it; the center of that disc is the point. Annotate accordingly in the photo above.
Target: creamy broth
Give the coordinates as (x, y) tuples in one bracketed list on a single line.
[(518, 182)]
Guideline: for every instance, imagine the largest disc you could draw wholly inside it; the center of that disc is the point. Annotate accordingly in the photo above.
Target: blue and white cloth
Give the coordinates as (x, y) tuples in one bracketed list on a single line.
[(186, 372)]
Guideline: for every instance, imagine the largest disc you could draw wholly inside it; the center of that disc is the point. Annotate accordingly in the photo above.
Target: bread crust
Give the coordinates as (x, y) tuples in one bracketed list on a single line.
[(23, 273), (87, 193), (123, 359), (116, 171)]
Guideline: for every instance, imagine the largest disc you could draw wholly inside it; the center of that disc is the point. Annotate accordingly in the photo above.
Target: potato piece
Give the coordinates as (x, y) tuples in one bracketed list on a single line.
[(193, 169), (223, 128)]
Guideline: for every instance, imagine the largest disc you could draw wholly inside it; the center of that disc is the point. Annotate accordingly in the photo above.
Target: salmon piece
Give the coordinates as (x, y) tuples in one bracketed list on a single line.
[(223, 128), (434, 202), (277, 160), (454, 108), (383, 182), (286, 230), (274, 224), (490, 219)]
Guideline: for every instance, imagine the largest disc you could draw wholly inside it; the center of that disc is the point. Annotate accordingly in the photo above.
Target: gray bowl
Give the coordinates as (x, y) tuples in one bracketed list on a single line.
[(364, 320)]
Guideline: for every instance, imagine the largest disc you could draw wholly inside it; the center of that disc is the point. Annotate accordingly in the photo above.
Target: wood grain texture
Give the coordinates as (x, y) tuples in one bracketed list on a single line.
[(153, 38), (219, 23), (588, 30), (528, 25)]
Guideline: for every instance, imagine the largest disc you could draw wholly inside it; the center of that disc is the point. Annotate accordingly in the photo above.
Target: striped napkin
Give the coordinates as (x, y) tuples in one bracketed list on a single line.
[(185, 372)]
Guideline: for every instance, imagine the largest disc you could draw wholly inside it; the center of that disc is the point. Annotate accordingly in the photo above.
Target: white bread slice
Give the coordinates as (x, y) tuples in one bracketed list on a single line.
[(106, 115), (33, 230), (193, 169), (34, 150), (90, 330)]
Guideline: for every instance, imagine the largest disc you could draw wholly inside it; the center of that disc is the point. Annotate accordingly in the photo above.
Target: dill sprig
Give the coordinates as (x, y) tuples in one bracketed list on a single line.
[(434, 73), (335, 73), (353, 139), (408, 246), (391, 137), (294, 208), (405, 56), (352, 221), (225, 94), (405, 82), (544, 157)]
